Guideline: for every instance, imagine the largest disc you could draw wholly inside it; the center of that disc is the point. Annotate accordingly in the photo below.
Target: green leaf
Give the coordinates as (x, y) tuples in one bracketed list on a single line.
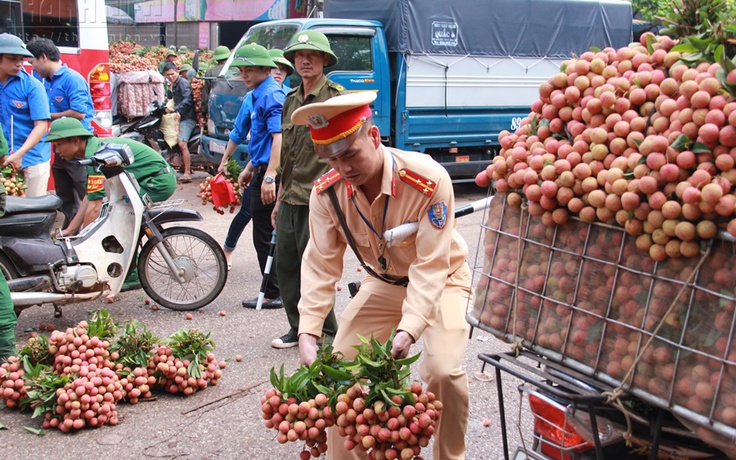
[(594, 49), (685, 47), (699, 147), (650, 42), (691, 58), (637, 142), (408, 361), (336, 374), (35, 431), (3, 427), (681, 143)]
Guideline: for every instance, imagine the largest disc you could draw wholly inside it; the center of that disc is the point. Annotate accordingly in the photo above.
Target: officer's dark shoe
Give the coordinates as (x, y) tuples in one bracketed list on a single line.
[(287, 340), (267, 303)]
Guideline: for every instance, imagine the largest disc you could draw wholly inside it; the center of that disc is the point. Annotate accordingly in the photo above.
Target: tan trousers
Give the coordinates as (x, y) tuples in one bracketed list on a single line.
[(37, 179), (377, 310)]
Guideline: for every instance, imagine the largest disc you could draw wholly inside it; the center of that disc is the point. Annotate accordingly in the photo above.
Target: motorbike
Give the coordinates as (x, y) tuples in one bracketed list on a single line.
[(181, 268), (148, 131), (567, 407)]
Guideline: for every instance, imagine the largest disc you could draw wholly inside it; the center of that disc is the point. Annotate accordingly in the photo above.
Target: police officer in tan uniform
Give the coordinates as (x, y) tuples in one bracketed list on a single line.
[(419, 287)]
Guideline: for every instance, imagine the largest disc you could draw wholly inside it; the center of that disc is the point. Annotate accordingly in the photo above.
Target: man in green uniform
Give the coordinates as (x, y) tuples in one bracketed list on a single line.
[(8, 320), (170, 57), (220, 55), (310, 52), (154, 175)]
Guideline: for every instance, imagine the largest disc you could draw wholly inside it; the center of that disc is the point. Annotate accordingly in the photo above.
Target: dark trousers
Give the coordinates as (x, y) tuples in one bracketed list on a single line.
[(70, 179), (239, 222), (292, 236), (262, 230)]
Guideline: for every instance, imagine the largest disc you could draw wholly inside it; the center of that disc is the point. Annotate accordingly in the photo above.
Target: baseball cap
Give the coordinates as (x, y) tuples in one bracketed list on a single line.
[(64, 127), (335, 123), (10, 44), (252, 55), (310, 40)]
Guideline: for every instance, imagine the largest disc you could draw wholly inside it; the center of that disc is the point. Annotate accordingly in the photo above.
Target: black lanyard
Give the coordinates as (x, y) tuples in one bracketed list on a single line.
[(382, 243)]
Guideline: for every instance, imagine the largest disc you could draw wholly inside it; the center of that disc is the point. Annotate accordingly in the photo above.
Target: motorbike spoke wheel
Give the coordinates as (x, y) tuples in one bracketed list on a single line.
[(199, 258)]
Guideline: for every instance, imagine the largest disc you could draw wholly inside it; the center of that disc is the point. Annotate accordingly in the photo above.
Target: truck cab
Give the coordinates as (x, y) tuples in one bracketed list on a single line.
[(362, 66)]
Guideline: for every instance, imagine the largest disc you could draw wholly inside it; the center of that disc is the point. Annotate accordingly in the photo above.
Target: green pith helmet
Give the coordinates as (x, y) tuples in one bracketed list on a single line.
[(222, 52), (64, 127), (183, 49), (171, 53), (184, 68), (278, 58), (252, 55), (10, 44), (310, 40)]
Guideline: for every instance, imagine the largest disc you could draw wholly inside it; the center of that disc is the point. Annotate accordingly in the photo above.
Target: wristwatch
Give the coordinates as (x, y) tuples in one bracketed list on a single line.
[(268, 179)]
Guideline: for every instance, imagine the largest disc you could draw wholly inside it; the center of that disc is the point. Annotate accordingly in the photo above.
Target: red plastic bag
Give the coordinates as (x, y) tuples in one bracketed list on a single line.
[(222, 191)]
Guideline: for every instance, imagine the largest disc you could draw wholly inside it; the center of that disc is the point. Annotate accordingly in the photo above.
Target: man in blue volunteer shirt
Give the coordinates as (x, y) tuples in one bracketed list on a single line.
[(24, 114), (241, 219), (69, 96), (255, 64)]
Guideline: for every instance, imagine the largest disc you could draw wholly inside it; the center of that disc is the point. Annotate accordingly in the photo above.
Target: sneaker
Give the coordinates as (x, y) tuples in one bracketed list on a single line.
[(287, 340)]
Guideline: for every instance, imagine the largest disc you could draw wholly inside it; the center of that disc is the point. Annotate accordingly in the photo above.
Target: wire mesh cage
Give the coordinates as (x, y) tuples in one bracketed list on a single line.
[(584, 295)]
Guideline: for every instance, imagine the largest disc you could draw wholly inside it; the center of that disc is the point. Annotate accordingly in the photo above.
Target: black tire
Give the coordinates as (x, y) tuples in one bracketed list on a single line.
[(7, 268), (202, 260)]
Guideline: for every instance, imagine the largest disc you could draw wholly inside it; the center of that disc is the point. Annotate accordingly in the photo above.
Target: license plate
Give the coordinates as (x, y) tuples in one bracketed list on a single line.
[(462, 158), (217, 147)]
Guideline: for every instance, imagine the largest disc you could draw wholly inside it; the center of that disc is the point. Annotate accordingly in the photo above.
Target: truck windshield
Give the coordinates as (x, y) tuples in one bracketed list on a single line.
[(269, 36)]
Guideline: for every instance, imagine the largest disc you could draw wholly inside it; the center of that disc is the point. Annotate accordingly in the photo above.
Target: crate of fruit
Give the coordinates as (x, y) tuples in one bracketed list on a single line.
[(583, 294), (136, 91)]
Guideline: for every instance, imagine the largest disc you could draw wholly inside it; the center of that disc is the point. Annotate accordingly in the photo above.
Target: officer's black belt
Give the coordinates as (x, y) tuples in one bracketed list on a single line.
[(395, 280)]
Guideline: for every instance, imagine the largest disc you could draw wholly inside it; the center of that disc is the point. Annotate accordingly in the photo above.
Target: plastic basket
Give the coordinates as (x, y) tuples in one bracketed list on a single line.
[(588, 298)]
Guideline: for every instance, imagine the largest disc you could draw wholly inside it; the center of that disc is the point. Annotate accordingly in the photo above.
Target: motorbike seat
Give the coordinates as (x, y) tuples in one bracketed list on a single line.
[(17, 205)]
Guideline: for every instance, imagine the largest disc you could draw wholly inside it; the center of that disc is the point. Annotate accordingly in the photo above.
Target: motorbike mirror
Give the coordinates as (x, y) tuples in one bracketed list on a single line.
[(114, 155), (195, 63)]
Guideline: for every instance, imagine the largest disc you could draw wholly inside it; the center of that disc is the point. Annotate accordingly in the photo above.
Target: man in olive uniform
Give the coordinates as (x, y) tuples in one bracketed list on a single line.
[(310, 52), (418, 288), (154, 175), (170, 57), (220, 55), (8, 320)]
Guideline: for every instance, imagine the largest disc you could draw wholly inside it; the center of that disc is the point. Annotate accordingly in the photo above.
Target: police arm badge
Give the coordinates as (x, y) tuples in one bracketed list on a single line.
[(438, 215)]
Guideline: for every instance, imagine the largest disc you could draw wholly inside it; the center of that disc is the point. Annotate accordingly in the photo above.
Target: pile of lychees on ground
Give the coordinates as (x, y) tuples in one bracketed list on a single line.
[(78, 377), (369, 400)]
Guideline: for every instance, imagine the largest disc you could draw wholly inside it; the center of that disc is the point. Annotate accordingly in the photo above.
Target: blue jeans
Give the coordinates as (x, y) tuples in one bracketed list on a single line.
[(239, 222)]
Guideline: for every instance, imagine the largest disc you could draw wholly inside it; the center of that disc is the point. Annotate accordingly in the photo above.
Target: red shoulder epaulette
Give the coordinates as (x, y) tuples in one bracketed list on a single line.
[(420, 183), (327, 181)]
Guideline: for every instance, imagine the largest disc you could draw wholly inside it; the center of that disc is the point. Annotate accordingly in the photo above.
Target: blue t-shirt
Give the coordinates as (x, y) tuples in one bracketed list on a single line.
[(237, 135), (23, 100), (66, 90), (265, 119)]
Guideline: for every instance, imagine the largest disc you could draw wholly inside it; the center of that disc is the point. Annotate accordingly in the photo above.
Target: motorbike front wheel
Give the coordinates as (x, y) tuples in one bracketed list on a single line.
[(200, 260)]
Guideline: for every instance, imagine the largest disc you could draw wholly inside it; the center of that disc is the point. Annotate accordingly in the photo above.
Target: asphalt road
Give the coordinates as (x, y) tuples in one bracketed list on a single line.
[(224, 421)]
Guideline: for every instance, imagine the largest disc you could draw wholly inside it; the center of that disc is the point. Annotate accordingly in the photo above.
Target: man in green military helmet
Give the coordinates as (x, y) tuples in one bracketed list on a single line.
[(310, 52), (264, 123), (220, 55), (151, 171), (154, 175), (283, 66)]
